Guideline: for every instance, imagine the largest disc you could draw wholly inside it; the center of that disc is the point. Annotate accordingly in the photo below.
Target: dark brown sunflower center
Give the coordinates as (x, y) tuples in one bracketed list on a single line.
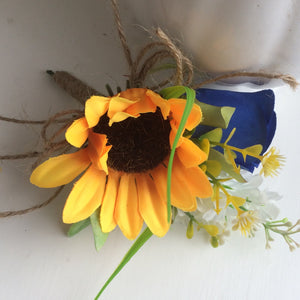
[(138, 144)]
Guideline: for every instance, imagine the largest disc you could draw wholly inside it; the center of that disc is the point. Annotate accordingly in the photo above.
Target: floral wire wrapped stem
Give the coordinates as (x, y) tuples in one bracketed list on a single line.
[(73, 86)]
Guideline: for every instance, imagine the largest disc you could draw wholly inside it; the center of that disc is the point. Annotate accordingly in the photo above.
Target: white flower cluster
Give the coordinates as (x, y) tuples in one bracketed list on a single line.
[(259, 208)]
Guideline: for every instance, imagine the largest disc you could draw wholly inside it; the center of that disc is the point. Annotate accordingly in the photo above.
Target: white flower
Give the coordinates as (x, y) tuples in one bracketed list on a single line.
[(246, 222), (259, 207)]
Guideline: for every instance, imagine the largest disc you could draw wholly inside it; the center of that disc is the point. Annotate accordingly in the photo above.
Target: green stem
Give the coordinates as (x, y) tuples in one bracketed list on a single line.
[(277, 231), (190, 98), (142, 239), (276, 225), (213, 178), (192, 217), (284, 220)]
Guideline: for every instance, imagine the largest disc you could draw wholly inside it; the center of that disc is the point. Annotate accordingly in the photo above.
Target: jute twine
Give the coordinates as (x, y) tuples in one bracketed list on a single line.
[(33, 208), (153, 53), (50, 145)]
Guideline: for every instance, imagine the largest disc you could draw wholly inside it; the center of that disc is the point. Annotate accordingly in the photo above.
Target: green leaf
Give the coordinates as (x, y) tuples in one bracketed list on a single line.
[(173, 92), (141, 240), (226, 167), (77, 227), (190, 98), (213, 167), (214, 135), (99, 236), (203, 144), (215, 116)]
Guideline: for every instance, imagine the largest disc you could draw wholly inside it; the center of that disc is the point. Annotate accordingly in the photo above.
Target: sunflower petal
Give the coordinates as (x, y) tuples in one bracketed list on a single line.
[(181, 197), (145, 105), (173, 134), (159, 102), (190, 154), (95, 108), (98, 151), (119, 104), (107, 219), (135, 94), (85, 197), (127, 213), (78, 132), (152, 206), (60, 170), (177, 108), (120, 116), (198, 182)]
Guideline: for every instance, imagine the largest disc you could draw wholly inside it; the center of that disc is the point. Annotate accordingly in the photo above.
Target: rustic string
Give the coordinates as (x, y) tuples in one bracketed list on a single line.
[(49, 147), (50, 144), (12, 213), (20, 156), (139, 70), (121, 33), (54, 118), (165, 48), (21, 121), (137, 76), (288, 79)]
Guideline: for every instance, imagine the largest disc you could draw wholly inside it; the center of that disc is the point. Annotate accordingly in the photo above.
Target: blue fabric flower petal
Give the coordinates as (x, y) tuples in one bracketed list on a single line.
[(254, 119)]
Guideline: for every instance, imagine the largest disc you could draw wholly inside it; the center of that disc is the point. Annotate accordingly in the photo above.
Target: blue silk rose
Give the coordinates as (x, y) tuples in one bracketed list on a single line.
[(254, 119)]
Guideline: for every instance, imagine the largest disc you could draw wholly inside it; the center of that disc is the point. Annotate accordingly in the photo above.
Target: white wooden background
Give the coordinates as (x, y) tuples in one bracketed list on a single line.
[(37, 260)]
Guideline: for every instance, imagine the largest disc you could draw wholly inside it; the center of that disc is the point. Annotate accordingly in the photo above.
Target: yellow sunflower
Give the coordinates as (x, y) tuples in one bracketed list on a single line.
[(125, 143)]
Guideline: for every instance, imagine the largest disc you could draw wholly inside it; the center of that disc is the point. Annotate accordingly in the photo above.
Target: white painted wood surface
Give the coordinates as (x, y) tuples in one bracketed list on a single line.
[(37, 260)]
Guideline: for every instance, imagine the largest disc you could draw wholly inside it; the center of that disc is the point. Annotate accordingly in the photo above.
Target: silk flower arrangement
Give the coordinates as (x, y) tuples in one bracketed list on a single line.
[(155, 156), (149, 157)]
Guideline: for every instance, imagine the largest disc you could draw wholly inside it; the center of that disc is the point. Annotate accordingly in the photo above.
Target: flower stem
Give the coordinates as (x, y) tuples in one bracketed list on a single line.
[(190, 98), (142, 239)]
